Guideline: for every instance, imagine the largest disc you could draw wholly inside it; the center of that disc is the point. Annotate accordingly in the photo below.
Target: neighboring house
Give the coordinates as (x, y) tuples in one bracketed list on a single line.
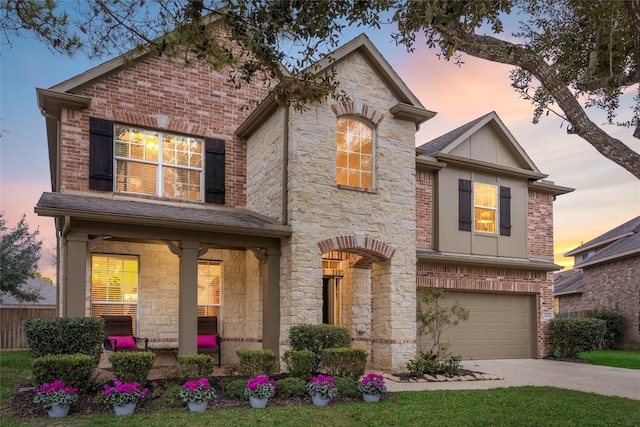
[(46, 290), (606, 275), (172, 202)]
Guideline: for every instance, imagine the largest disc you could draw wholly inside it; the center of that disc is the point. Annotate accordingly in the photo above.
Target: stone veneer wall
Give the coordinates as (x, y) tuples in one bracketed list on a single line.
[(482, 279), (424, 208), (197, 101), (612, 284), (240, 322), (319, 210)]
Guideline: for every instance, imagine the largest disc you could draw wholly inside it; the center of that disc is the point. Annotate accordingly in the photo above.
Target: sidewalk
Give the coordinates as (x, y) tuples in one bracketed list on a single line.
[(539, 372)]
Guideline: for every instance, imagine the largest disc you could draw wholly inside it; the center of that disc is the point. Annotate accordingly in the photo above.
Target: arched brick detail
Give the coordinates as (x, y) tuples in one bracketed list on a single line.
[(371, 250), (357, 108)]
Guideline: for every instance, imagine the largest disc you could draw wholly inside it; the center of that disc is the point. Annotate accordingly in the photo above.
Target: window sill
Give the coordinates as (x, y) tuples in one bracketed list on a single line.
[(359, 189)]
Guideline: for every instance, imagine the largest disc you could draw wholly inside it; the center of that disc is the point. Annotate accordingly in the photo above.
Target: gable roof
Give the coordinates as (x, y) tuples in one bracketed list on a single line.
[(620, 242), (408, 108), (446, 143)]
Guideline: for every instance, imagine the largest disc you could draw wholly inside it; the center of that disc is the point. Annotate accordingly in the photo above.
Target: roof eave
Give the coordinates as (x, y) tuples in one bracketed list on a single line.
[(488, 167), (548, 187), (471, 260), (591, 261)]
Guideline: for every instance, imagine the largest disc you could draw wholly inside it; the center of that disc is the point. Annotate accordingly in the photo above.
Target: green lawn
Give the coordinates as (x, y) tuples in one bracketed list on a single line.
[(520, 406), (615, 358)]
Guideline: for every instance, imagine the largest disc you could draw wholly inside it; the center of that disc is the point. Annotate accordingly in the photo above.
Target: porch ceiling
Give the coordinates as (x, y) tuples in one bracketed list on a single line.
[(152, 213)]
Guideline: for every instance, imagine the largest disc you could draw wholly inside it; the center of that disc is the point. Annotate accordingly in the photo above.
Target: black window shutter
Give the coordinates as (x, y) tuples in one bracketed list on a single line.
[(505, 211), (214, 171), (464, 205), (100, 154)]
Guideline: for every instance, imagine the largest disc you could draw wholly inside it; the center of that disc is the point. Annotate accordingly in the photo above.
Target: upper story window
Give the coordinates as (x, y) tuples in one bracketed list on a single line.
[(158, 163), (354, 154), (145, 161), (485, 207), (490, 211)]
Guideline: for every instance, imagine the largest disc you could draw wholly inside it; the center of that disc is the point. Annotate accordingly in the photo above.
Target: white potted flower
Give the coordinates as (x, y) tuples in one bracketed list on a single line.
[(372, 387), (259, 390), (56, 397), (124, 396), (197, 394), (322, 389)]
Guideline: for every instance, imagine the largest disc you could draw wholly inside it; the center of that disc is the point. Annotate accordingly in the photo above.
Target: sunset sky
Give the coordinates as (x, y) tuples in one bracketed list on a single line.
[(605, 195)]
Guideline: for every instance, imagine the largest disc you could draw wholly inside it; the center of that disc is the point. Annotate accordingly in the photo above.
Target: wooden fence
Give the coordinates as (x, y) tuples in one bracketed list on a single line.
[(11, 318), (579, 313)]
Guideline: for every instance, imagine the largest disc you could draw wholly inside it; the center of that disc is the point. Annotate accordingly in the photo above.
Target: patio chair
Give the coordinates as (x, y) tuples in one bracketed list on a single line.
[(119, 335), (208, 336)]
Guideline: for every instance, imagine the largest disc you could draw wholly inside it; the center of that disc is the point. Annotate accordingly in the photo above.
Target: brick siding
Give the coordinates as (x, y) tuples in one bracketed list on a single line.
[(540, 225), (424, 208), (197, 101)]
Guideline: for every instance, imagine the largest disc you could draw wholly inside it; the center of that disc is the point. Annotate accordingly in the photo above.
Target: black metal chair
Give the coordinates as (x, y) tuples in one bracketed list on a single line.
[(208, 337), (119, 335)]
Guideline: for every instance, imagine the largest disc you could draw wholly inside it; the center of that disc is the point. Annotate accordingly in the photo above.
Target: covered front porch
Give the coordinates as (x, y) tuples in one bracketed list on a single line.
[(165, 265)]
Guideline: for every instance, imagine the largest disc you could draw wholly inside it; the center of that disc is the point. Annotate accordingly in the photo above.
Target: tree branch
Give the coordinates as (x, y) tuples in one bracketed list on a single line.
[(496, 50)]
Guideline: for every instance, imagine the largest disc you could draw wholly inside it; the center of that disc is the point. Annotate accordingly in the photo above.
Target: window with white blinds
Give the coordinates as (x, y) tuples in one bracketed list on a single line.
[(158, 163), (209, 289), (114, 285)]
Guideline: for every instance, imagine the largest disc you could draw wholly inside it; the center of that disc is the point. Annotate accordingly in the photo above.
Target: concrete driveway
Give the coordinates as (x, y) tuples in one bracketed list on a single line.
[(539, 372)]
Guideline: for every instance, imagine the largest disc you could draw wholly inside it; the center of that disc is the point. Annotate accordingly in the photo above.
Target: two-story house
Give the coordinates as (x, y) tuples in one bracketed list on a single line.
[(171, 202)]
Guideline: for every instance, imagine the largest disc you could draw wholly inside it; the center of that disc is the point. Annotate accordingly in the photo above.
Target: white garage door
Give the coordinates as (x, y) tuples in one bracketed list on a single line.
[(500, 326)]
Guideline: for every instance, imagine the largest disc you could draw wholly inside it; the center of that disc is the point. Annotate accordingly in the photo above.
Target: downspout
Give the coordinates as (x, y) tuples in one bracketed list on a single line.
[(285, 167)]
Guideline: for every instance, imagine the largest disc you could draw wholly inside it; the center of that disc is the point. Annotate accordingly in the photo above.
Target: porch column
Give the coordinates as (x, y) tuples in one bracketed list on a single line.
[(188, 295), (74, 295), (270, 272)]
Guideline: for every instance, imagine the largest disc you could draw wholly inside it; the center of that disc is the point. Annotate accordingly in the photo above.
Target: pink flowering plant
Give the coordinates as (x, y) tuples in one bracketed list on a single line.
[(197, 391), (122, 393), (56, 393), (322, 385), (260, 387), (372, 384)]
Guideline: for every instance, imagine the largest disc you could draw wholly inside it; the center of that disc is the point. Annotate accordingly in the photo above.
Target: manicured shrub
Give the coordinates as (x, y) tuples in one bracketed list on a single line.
[(236, 388), (317, 338), (429, 363), (291, 387), (195, 366), (75, 370), (571, 336), (170, 398), (344, 362), (130, 366), (615, 324), (347, 387), (65, 335), (300, 364), (256, 362)]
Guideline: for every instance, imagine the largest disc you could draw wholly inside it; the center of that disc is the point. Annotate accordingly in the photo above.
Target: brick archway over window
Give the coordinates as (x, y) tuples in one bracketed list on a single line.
[(358, 108), (371, 250)]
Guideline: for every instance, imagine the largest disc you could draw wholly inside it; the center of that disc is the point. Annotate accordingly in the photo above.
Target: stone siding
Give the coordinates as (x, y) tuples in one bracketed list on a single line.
[(240, 322), (197, 100), (319, 210), (482, 279)]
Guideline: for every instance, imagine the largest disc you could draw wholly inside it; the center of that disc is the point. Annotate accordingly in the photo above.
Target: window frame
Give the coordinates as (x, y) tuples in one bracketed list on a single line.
[(160, 163), (360, 171), (220, 287), (94, 302), (494, 209)]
